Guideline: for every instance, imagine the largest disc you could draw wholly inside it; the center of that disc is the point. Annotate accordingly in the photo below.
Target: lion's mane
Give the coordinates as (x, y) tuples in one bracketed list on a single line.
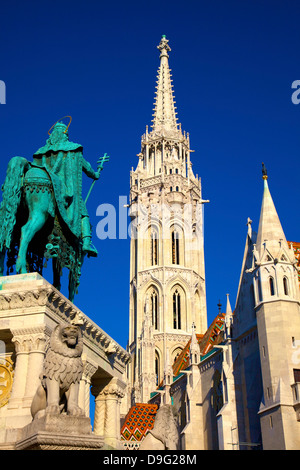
[(62, 362)]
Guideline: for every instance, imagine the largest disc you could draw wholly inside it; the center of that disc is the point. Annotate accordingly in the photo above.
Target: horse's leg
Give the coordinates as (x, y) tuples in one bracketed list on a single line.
[(56, 275), (28, 231), (2, 258), (38, 204)]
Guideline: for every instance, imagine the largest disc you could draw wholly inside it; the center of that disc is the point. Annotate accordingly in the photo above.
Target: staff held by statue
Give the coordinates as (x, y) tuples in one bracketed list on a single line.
[(100, 164)]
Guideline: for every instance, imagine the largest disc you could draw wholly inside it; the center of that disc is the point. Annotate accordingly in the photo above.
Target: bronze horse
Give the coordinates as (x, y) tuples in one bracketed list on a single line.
[(32, 230)]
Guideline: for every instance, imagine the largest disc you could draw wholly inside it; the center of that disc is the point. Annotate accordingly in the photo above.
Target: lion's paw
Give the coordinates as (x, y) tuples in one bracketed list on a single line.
[(74, 410), (53, 409)]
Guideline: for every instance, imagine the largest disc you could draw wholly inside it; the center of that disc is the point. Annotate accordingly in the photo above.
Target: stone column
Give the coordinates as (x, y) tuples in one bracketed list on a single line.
[(107, 411), (89, 370), (20, 373), (114, 393), (37, 342)]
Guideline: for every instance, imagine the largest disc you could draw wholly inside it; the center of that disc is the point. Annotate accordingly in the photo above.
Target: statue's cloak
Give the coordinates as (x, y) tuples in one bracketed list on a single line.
[(11, 197), (63, 162)]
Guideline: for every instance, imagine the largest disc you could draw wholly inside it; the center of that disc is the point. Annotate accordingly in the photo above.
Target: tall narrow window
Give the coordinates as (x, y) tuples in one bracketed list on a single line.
[(271, 282), (285, 286), (175, 247), (157, 372), (154, 248), (259, 288), (154, 309), (176, 310)]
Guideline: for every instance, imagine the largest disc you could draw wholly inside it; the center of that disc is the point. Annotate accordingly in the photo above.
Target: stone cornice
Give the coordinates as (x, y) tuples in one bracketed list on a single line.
[(45, 296)]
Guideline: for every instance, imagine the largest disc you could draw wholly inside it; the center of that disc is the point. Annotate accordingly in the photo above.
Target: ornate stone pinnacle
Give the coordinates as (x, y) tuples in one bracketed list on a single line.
[(164, 47), (264, 172)]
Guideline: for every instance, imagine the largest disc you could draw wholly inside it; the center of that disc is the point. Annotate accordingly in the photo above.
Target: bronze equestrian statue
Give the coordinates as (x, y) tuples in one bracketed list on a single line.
[(43, 214)]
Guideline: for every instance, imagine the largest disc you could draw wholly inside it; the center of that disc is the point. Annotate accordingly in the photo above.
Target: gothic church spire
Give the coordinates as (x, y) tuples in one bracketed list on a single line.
[(164, 119)]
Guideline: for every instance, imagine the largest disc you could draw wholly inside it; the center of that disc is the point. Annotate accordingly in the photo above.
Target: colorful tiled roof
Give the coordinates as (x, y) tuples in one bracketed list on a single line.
[(206, 342), (212, 335), (182, 361), (138, 422), (296, 248)]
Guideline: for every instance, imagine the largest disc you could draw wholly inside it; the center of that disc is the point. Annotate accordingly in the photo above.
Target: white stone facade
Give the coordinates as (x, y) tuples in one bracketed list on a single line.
[(167, 276), (245, 392)]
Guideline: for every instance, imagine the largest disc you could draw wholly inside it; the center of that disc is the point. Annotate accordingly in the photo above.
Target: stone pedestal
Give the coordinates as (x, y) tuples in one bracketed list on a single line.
[(62, 432), (30, 309)]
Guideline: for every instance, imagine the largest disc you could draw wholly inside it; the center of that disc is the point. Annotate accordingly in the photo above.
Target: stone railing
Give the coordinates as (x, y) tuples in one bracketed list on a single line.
[(130, 445)]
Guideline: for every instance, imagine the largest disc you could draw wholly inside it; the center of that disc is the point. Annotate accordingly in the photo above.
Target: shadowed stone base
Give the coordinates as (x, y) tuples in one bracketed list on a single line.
[(63, 432)]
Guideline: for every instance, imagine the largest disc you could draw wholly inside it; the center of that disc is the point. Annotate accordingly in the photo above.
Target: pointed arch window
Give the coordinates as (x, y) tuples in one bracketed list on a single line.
[(259, 288), (175, 247), (272, 287), (176, 310), (154, 247), (154, 309), (285, 286)]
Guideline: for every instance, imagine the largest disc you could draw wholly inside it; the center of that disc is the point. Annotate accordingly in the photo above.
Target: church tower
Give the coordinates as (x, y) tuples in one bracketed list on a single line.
[(167, 278), (276, 292)]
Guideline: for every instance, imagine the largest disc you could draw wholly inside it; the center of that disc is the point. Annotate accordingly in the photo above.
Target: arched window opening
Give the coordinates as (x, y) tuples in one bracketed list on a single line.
[(177, 188), (175, 247), (176, 354), (259, 289), (157, 372), (286, 286), (154, 248), (176, 310), (271, 283), (154, 309)]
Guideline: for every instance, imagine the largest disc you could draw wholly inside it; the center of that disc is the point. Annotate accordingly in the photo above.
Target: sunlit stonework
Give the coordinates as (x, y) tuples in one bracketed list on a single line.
[(6, 379)]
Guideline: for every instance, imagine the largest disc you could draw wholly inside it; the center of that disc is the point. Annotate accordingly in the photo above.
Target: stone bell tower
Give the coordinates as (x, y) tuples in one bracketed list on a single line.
[(277, 303), (167, 276)]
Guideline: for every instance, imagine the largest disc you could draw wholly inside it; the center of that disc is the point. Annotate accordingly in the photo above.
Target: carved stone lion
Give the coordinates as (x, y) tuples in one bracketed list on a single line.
[(63, 369), (164, 435)]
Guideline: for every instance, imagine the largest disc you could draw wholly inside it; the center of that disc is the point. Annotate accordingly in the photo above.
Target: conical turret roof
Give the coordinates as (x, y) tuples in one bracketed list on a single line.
[(270, 233)]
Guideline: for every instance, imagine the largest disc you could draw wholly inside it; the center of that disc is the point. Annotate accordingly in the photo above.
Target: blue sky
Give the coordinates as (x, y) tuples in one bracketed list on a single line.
[(233, 64)]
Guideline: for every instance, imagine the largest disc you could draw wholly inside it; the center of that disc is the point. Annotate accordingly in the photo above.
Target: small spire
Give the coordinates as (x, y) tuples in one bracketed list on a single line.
[(228, 306), (270, 229), (228, 319), (194, 347)]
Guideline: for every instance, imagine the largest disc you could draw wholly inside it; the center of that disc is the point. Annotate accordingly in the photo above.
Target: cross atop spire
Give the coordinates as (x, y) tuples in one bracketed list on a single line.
[(165, 120)]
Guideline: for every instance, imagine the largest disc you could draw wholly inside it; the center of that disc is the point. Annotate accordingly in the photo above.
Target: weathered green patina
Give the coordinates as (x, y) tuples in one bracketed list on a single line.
[(43, 214)]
